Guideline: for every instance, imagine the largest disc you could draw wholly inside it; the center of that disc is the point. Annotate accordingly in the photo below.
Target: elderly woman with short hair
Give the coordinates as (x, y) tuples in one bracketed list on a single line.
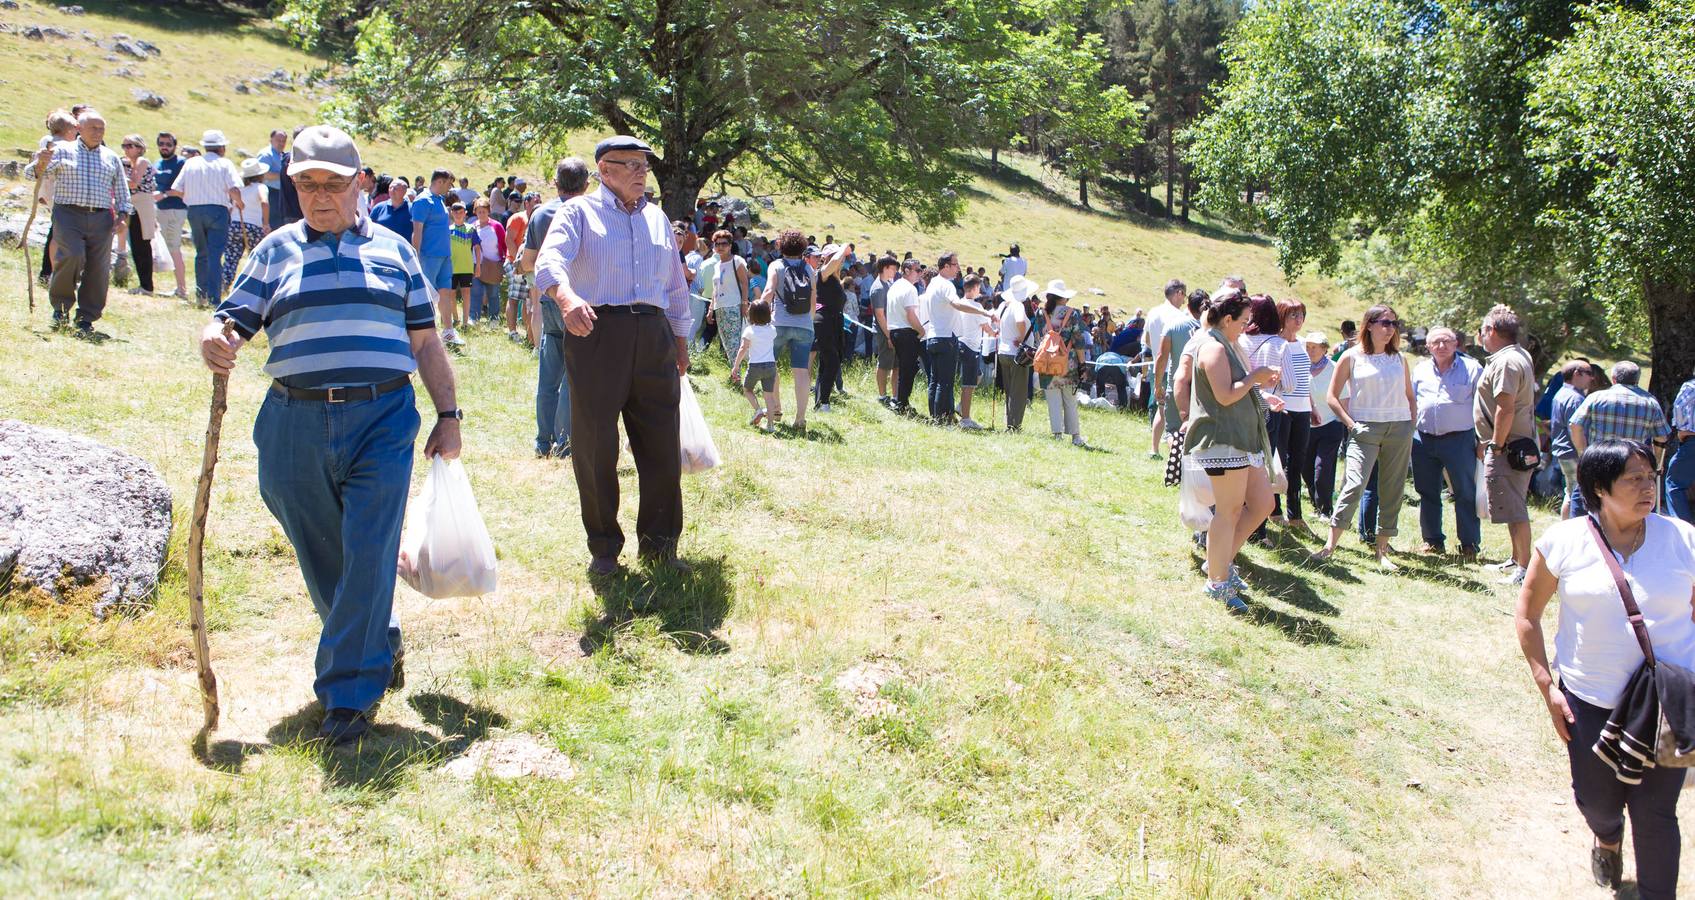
[(1596, 652)]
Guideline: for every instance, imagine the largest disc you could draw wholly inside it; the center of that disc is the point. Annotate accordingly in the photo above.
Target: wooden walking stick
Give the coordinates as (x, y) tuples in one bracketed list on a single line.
[(23, 243), (196, 549)]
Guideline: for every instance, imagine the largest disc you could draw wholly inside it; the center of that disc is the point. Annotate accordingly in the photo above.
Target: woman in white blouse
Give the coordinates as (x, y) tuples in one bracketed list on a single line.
[(1379, 414), (1295, 392), (1596, 651)]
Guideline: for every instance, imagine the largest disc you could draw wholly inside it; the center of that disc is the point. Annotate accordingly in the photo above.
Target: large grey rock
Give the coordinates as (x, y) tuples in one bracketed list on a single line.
[(13, 225), (75, 513), (130, 48), (147, 98)]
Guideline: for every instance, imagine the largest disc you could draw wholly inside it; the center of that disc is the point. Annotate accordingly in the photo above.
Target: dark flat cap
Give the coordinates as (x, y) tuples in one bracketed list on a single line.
[(622, 142)]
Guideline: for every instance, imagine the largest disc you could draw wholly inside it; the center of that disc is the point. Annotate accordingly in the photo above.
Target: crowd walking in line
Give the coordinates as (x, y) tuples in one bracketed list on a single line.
[(1255, 414)]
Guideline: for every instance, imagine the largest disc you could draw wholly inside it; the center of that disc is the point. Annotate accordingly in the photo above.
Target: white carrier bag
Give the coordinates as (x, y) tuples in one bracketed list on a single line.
[(694, 439), (445, 550)]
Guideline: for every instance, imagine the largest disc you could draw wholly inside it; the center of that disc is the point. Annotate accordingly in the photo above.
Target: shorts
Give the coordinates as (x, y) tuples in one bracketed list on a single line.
[(764, 375), (438, 271), (799, 342), (519, 287), (1507, 489), (171, 223), (970, 367), (886, 358), (462, 280)]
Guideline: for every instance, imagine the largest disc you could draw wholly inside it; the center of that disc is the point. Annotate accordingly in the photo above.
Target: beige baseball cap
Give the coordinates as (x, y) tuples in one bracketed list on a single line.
[(324, 147)]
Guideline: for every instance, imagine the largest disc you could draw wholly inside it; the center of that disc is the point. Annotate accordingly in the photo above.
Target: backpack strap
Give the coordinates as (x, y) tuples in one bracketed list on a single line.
[(1631, 610)]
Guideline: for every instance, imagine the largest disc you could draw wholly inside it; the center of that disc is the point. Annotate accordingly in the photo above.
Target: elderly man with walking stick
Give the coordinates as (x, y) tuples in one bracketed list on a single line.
[(90, 203), (337, 429), (610, 262)]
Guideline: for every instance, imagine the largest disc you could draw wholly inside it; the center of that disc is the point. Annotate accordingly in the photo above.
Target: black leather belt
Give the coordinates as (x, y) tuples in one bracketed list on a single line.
[(638, 309), (88, 209), (342, 394)]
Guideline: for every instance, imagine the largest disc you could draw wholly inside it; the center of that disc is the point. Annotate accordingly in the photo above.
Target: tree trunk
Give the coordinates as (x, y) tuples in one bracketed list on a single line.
[(1671, 322), (1083, 191), (680, 184), (1188, 183), (1170, 168), (994, 159)]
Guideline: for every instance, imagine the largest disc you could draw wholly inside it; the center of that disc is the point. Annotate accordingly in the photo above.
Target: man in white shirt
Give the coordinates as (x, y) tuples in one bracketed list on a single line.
[(947, 311), (1163, 316), (904, 329), (210, 185), (1012, 266)]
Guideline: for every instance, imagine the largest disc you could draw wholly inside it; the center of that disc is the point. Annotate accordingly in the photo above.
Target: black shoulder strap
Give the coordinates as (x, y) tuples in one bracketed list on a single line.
[(1631, 610)]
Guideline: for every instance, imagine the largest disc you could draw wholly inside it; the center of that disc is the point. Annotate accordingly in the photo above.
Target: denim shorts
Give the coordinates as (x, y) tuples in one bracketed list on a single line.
[(970, 367), (799, 342), (438, 271), (761, 375)]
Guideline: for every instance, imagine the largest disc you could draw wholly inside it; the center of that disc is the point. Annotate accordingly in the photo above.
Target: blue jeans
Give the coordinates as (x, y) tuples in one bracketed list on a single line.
[(553, 397), (1456, 454), (273, 200), (485, 300), (1680, 476), (799, 344), (697, 308), (1368, 509), (944, 362), (209, 224), (336, 476)]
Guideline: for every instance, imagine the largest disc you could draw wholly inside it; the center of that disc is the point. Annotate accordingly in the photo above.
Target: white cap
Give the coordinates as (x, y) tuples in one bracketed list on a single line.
[(213, 138), (1316, 337)]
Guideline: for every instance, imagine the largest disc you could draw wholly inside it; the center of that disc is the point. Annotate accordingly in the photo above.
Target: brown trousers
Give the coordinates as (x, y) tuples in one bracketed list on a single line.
[(626, 366)]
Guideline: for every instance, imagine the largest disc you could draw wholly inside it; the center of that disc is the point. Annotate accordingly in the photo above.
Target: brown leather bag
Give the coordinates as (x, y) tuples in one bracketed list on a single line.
[(490, 271)]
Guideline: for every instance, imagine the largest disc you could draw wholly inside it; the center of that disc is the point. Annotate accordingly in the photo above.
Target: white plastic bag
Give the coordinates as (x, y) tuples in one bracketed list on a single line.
[(162, 259), (445, 550), (1194, 505), (1275, 471), (694, 439), (1482, 494)]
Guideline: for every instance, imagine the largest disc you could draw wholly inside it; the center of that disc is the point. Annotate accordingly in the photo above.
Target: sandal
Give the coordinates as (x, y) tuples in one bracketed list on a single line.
[(1606, 865)]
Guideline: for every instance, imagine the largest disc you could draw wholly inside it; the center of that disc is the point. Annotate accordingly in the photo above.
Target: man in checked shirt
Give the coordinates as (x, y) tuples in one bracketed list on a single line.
[(90, 202)]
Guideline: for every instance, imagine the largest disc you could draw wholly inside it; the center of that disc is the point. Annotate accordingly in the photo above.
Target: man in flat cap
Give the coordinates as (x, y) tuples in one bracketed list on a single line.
[(337, 429), (610, 262)]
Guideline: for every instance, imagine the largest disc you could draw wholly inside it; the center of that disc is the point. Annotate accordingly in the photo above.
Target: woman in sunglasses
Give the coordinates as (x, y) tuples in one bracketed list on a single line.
[(1379, 414)]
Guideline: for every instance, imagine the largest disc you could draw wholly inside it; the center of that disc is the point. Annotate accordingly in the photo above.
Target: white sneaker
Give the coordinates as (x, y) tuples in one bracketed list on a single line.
[(452, 337), (1514, 575), (823, 407), (970, 425), (514, 336), (1078, 441)]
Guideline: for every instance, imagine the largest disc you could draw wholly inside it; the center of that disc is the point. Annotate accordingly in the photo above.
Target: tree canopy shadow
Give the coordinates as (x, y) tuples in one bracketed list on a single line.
[(381, 759), (1291, 587), (1299, 556), (689, 607), (816, 433), (184, 16)]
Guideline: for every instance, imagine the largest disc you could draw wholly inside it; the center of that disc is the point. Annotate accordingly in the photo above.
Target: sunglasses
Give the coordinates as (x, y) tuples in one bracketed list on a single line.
[(720, 243), (1392, 323)]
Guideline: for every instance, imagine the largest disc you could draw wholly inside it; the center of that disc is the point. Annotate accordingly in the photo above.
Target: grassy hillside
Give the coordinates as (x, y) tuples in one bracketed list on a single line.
[(910, 662)]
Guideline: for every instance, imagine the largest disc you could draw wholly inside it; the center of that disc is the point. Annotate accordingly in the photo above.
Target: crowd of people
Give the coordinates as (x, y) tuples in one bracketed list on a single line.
[(1258, 415)]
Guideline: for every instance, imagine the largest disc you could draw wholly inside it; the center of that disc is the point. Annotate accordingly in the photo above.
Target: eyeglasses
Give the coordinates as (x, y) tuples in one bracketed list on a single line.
[(636, 166), (1392, 323), (333, 186), (720, 243)]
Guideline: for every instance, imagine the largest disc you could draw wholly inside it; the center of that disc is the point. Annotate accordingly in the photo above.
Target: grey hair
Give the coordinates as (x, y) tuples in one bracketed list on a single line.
[(1441, 329), (571, 176), (1626, 372), (89, 113)]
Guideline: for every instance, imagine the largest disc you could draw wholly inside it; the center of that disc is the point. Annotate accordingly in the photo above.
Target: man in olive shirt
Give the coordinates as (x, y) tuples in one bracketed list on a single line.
[(1504, 412)]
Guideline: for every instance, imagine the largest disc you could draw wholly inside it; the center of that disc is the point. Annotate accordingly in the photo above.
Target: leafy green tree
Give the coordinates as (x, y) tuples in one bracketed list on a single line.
[(857, 101)]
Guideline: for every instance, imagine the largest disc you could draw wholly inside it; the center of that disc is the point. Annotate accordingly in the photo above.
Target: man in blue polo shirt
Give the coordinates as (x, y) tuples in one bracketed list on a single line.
[(273, 158), (430, 223), (349, 318), (171, 212)]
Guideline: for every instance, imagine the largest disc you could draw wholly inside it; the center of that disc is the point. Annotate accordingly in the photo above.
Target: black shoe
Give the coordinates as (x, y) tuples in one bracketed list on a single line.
[(60, 321), (343, 726), (397, 673), (85, 331), (1607, 866)]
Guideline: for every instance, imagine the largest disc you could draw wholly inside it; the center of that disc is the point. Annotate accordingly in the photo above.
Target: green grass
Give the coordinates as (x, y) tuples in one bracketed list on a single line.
[(1060, 713)]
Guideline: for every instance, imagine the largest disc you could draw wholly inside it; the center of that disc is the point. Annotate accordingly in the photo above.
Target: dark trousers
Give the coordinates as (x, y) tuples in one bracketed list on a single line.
[(82, 261), (1325, 443), (905, 342), (141, 250), (944, 367), (1456, 454), (1015, 381), (1296, 436), (829, 346), (1680, 477), (1277, 429), (626, 366), (1603, 799), (47, 252)]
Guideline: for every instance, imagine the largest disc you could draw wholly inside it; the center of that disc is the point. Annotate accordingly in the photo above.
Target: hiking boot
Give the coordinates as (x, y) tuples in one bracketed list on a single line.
[(1606, 865), (397, 672), (342, 726)]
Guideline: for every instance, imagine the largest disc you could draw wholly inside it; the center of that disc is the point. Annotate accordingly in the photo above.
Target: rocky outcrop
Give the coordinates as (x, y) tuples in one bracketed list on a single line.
[(78, 518)]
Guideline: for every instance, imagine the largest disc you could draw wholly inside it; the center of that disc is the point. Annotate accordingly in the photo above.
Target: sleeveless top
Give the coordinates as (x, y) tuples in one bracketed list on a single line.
[(1378, 388), (1239, 425)]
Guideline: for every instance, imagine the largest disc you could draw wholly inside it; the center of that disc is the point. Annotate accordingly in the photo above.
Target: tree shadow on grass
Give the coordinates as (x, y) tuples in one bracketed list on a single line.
[(1300, 557), (689, 608), (186, 16), (1291, 587), (815, 433), (1299, 629), (1442, 570), (381, 759)]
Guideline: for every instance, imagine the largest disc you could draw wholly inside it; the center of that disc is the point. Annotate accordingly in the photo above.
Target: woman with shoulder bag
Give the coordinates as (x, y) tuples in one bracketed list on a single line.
[(1597, 652), (1226, 436), (144, 223), (1013, 350), (1062, 335)]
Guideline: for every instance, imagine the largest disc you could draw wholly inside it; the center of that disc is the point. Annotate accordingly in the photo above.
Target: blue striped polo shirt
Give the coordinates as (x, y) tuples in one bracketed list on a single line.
[(336, 309)]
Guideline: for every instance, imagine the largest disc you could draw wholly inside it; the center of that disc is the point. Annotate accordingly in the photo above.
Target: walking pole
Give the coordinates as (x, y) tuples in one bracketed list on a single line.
[(23, 243), (196, 550)]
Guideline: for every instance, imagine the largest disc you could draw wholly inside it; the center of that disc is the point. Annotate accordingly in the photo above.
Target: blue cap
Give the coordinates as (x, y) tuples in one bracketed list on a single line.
[(622, 142)]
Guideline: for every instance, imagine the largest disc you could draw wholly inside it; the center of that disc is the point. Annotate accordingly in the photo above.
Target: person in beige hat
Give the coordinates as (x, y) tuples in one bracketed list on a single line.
[(1060, 319), (250, 223)]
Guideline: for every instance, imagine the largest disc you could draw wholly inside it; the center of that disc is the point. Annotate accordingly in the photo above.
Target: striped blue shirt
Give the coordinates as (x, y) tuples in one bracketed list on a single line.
[(337, 309), (611, 257)]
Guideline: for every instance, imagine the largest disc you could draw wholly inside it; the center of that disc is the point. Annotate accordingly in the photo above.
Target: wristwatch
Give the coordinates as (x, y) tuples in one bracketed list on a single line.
[(455, 414)]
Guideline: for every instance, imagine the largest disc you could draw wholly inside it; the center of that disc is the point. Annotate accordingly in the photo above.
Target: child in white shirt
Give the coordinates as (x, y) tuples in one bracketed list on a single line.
[(758, 351)]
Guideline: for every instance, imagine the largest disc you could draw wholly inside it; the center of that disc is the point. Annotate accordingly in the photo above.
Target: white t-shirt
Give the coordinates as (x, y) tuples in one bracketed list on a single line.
[(1595, 650), (1013, 266), (1158, 320), (726, 283), (466, 195), (944, 319), (1320, 382), (760, 340), (902, 297), (1013, 320), (488, 243), (251, 196), (971, 336)]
